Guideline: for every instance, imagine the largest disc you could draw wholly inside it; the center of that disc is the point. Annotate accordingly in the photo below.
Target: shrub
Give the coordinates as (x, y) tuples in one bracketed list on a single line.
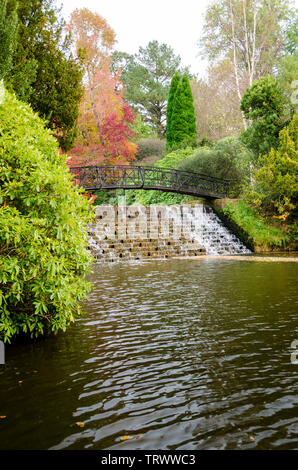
[(258, 229), (147, 197), (150, 146), (173, 159), (275, 181), (43, 218), (227, 159)]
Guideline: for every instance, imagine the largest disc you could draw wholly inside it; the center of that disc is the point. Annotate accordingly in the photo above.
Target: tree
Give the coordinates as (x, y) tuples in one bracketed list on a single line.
[(173, 88), (183, 119), (94, 40), (287, 79), (264, 105), (43, 238), (104, 116), (276, 185), (251, 33), (8, 34), (44, 72), (216, 103), (146, 77)]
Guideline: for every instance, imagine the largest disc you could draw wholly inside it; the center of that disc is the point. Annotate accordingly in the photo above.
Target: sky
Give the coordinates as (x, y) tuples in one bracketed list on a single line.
[(177, 23)]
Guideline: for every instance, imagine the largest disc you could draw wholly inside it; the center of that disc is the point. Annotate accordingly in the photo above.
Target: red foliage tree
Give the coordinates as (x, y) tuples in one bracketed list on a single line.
[(104, 115)]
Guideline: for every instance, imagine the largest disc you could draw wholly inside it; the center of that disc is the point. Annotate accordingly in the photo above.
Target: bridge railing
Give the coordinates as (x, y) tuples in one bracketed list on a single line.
[(141, 177)]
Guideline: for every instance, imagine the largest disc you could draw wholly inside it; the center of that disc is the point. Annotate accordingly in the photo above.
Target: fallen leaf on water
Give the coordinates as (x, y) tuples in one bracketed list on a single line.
[(252, 438), (79, 423), (124, 438)]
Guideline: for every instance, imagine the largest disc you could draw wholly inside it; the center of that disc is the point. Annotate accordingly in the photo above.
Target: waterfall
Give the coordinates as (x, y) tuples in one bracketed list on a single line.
[(137, 232), (215, 237)]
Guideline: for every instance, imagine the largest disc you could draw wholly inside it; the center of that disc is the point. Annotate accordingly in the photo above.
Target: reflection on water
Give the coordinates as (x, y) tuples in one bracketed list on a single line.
[(178, 354)]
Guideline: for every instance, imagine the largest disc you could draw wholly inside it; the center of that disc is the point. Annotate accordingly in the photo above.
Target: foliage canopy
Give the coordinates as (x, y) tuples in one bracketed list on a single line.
[(43, 218)]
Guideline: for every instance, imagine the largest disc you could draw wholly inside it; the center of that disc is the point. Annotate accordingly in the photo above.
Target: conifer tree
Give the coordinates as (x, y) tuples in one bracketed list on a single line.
[(183, 118), (44, 72), (8, 34), (173, 88)]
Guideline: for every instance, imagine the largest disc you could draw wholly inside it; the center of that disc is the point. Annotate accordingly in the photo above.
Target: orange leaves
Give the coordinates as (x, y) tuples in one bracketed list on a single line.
[(80, 424), (92, 34), (104, 116), (128, 437), (125, 438)]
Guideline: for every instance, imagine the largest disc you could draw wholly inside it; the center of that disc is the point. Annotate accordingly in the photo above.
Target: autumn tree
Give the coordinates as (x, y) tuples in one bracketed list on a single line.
[(104, 116), (146, 77), (216, 103), (251, 33), (44, 73)]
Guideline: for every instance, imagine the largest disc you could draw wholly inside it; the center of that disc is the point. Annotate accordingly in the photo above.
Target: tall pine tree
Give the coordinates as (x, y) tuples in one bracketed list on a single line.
[(171, 99), (183, 118)]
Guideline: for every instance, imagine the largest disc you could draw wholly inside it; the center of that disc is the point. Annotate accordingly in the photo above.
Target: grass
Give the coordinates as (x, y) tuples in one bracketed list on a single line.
[(258, 229)]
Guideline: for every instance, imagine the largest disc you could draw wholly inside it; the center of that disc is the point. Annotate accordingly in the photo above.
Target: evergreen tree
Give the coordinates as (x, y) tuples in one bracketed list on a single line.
[(173, 88), (183, 118), (44, 72), (265, 106), (146, 77), (8, 33)]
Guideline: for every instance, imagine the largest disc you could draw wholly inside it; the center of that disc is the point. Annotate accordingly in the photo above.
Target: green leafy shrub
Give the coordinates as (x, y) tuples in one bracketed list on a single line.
[(147, 197), (275, 181), (150, 146), (173, 159), (227, 159), (43, 218)]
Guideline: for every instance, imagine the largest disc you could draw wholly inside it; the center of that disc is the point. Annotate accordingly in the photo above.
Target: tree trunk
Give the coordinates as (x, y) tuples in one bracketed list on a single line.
[(235, 61)]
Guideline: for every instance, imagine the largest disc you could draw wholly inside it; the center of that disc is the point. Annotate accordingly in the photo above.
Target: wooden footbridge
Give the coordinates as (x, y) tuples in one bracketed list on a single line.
[(141, 177)]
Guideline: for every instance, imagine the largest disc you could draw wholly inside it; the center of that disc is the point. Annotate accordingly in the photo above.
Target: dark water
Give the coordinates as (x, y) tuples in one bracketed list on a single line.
[(176, 354)]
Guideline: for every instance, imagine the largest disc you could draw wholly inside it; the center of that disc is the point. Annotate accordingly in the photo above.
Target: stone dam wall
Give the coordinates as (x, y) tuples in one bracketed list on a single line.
[(138, 233)]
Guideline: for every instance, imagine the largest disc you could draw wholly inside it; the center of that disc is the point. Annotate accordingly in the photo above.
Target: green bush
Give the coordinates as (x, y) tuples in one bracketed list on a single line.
[(227, 159), (43, 218), (147, 197), (275, 187), (150, 146), (173, 159)]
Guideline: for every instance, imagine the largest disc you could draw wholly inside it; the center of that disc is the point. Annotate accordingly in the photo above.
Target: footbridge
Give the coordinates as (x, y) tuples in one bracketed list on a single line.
[(141, 177)]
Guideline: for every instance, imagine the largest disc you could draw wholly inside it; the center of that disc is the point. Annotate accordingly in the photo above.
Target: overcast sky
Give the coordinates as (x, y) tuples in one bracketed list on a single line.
[(177, 23)]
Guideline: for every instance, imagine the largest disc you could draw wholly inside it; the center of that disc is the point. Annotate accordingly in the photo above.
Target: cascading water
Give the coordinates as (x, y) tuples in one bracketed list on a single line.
[(162, 232), (212, 235)]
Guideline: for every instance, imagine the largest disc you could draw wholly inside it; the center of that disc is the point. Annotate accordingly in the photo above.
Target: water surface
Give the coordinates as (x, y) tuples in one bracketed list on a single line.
[(178, 354)]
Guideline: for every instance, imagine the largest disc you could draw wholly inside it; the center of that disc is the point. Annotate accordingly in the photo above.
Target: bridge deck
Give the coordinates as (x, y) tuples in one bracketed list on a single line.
[(140, 177)]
